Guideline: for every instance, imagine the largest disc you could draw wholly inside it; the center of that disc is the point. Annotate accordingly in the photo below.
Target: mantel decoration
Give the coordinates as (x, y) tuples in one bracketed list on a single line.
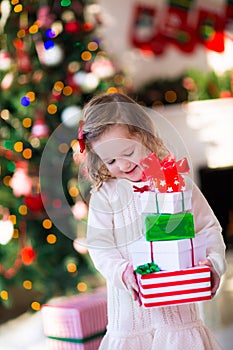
[(182, 24)]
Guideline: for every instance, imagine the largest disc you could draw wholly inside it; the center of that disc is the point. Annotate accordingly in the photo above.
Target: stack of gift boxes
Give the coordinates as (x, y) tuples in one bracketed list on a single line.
[(166, 257)]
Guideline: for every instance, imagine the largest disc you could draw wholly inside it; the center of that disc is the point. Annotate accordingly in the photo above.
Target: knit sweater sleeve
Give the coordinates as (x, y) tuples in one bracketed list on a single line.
[(206, 223), (101, 241)]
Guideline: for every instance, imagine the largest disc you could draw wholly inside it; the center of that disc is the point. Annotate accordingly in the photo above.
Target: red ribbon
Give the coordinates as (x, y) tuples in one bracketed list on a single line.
[(192, 252), (151, 251)]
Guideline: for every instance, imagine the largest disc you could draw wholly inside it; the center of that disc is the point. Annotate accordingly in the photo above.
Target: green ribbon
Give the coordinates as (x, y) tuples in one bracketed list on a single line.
[(183, 208), (157, 202), (79, 340), (147, 268)]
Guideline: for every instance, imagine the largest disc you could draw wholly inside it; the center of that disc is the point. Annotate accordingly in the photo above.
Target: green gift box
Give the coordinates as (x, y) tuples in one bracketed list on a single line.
[(164, 227)]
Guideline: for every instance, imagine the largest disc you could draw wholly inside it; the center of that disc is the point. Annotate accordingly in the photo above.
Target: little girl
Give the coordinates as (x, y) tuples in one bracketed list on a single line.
[(117, 133)]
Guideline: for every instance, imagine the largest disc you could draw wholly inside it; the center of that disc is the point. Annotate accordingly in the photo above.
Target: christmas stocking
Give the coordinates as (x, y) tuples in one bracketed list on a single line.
[(176, 27), (144, 29), (211, 30)]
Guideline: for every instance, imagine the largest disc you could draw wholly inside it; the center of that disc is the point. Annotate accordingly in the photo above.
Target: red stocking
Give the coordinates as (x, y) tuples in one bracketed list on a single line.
[(211, 30), (177, 30), (144, 29)]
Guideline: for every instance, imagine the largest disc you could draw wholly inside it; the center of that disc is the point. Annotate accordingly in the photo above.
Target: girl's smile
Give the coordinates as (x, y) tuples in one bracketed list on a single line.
[(121, 152)]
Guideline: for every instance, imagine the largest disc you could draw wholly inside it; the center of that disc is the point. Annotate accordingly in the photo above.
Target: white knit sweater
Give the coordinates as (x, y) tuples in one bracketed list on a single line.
[(114, 221)]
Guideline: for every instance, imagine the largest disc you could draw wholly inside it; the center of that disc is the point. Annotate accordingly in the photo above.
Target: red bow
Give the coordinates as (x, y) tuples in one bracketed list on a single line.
[(141, 189), (81, 136), (166, 174)]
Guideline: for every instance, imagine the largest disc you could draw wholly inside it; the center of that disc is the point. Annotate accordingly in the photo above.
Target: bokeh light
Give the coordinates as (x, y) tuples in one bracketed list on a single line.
[(25, 101), (35, 305), (47, 224)]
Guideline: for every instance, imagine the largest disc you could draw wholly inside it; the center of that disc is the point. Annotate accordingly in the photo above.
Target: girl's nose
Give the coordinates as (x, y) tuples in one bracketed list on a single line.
[(123, 164)]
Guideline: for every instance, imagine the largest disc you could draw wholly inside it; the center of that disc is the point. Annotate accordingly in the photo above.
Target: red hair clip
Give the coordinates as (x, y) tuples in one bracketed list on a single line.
[(81, 136)]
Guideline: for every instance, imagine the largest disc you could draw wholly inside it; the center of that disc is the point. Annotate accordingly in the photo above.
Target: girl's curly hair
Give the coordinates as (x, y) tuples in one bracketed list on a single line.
[(103, 111)]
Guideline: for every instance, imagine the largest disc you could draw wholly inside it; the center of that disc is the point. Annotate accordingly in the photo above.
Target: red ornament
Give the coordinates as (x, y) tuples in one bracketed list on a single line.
[(40, 129), (55, 96), (34, 202), (88, 26), (5, 60), (72, 27), (225, 94), (70, 81), (23, 60), (20, 177), (45, 17), (28, 255)]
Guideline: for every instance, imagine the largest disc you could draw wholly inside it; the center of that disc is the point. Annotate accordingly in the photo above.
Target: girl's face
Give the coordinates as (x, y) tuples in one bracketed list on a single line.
[(121, 152)]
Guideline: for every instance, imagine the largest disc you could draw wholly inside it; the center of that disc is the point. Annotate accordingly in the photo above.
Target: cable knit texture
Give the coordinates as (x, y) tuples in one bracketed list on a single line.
[(114, 222)]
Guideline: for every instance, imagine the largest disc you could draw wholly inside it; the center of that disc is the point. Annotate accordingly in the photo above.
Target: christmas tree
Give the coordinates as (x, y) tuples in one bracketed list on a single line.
[(51, 63)]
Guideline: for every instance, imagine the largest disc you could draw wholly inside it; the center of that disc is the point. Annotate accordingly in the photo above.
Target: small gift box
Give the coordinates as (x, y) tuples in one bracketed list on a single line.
[(163, 227), (169, 255), (168, 203), (175, 287), (75, 323)]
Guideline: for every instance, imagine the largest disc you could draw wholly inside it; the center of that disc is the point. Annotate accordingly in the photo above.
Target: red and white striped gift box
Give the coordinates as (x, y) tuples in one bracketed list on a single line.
[(175, 287), (75, 323)]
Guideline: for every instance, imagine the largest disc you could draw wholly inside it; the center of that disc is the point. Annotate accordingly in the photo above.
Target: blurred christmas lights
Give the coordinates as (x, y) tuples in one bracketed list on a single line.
[(31, 128), (65, 3), (25, 101), (50, 33), (6, 226), (49, 44)]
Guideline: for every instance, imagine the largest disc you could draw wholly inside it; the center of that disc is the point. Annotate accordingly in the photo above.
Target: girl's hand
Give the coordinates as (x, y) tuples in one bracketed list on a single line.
[(130, 282), (215, 279)]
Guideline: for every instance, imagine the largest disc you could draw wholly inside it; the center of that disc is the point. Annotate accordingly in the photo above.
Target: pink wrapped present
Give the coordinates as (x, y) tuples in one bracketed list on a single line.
[(175, 287), (75, 323)]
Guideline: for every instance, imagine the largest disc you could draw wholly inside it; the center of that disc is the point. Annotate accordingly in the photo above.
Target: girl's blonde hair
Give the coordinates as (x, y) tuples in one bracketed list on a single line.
[(103, 111)]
